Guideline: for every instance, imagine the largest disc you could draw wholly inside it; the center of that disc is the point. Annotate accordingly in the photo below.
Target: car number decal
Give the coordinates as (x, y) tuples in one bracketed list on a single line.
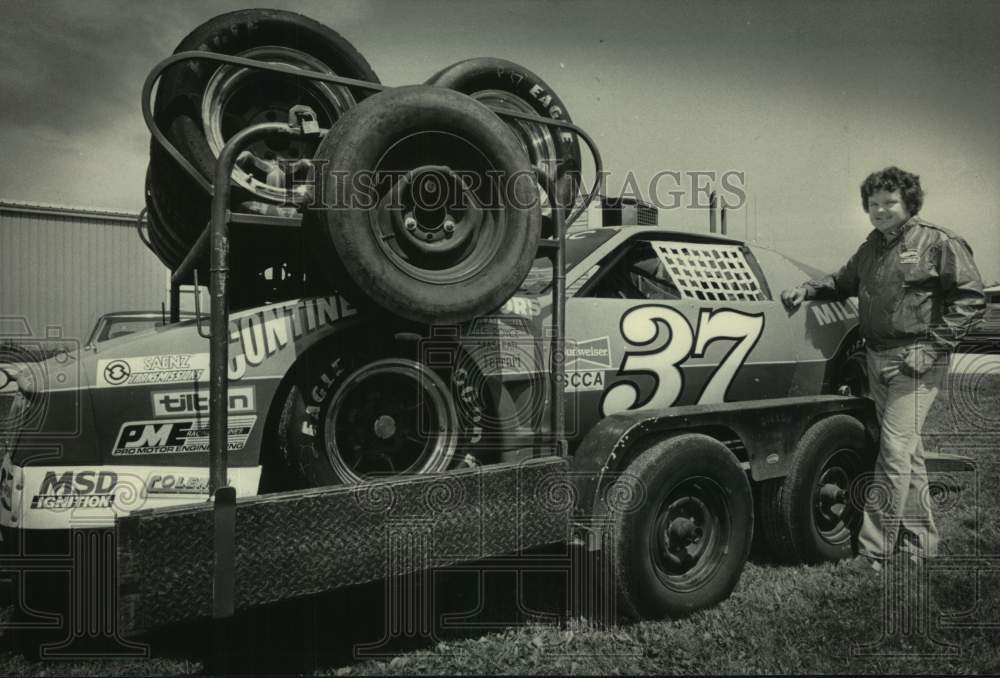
[(664, 341)]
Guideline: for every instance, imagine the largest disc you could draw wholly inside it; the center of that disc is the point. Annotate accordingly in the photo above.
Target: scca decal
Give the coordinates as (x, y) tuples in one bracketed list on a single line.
[(262, 334), (664, 340)]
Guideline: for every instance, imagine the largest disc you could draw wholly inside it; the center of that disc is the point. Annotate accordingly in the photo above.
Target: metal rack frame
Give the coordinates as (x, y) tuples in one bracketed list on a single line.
[(216, 238)]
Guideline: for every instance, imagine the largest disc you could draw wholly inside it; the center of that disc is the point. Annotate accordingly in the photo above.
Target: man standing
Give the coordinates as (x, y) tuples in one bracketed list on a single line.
[(919, 291)]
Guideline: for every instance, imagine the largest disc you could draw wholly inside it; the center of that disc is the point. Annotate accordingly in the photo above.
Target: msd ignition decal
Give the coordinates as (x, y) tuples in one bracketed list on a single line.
[(76, 489), (663, 340), (586, 362), (174, 403), (259, 335), (178, 436), (152, 369)]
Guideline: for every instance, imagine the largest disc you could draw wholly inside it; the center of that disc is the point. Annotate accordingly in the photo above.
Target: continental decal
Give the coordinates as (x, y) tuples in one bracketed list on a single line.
[(830, 312), (178, 436), (175, 483), (256, 337)]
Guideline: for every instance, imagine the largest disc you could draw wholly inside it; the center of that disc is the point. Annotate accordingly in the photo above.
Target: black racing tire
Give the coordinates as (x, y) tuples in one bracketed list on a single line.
[(554, 152), (680, 528), (808, 516), (430, 211), (183, 99), (200, 104), (351, 414)]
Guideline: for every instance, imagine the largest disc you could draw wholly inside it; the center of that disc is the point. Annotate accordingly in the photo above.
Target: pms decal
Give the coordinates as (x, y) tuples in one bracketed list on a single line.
[(261, 334), (586, 362), (76, 489), (666, 341), (177, 436), (152, 369), (174, 403), (827, 313)]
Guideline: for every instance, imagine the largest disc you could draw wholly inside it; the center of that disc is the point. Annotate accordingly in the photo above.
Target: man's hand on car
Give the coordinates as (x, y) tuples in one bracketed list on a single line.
[(793, 298)]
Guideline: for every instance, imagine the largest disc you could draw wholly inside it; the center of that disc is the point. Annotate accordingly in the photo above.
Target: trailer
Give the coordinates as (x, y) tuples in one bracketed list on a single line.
[(667, 487)]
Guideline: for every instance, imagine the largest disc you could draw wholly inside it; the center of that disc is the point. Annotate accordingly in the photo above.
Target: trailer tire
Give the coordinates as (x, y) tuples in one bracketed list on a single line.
[(680, 528), (346, 416), (431, 213), (553, 152), (808, 516)]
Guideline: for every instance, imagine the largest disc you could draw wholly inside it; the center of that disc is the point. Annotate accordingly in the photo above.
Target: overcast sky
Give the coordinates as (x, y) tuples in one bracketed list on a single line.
[(804, 98)]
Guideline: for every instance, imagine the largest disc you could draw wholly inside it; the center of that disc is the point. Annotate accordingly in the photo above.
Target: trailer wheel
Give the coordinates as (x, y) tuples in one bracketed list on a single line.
[(807, 516), (680, 528), (554, 153), (430, 211), (360, 408)]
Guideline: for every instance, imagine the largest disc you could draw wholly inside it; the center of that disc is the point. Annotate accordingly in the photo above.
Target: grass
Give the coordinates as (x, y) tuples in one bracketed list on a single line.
[(780, 619)]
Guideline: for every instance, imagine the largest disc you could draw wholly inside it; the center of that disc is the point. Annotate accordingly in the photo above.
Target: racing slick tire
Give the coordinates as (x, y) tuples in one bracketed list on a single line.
[(200, 104), (553, 152), (362, 408), (430, 209), (679, 529), (808, 516)]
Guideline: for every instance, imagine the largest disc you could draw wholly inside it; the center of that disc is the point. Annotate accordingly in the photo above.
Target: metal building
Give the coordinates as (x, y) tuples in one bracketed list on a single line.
[(62, 267)]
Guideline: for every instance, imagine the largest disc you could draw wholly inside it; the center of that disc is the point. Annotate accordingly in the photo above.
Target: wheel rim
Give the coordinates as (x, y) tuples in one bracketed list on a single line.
[(232, 102), (391, 417), (688, 542), (536, 140), (432, 221), (831, 494)]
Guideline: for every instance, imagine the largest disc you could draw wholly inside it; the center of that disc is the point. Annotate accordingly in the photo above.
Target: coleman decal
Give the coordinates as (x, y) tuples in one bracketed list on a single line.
[(178, 436), (76, 489), (170, 483), (176, 403)]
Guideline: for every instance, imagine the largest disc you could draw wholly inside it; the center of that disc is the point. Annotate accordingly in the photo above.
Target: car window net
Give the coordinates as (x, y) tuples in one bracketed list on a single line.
[(709, 272)]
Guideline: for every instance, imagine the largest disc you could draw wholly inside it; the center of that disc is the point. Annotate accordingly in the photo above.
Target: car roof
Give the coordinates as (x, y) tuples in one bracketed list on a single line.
[(143, 314), (691, 236)]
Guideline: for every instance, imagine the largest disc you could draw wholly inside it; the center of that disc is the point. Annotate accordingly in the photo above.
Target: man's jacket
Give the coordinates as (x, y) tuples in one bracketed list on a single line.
[(919, 286)]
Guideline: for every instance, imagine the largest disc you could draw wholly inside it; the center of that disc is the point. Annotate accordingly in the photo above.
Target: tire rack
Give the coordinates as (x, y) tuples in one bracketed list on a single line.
[(215, 238)]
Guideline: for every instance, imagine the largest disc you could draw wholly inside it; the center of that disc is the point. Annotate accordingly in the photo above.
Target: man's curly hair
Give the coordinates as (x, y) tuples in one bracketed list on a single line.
[(894, 179)]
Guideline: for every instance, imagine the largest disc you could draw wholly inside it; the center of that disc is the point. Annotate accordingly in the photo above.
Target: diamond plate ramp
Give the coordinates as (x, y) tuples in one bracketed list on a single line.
[(300, 543)]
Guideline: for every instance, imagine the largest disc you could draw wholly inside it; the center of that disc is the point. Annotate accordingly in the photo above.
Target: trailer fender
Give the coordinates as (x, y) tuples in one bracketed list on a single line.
[(762, 434)]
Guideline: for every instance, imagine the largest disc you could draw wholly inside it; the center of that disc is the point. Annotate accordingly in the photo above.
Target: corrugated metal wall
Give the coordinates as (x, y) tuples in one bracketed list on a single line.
[(65, 267)]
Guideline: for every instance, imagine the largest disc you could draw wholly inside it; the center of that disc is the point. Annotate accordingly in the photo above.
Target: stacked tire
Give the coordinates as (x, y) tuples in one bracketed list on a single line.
[(420, 203), (200, 104)]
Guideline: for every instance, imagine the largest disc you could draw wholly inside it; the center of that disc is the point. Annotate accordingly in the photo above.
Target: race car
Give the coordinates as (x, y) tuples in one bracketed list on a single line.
[(322, 393)]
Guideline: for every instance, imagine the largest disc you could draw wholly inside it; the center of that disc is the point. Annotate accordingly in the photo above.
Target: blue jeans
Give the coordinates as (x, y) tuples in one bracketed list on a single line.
[(898, 497)]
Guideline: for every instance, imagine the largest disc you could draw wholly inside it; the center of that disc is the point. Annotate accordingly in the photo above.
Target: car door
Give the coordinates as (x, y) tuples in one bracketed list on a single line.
[(670, 321)]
